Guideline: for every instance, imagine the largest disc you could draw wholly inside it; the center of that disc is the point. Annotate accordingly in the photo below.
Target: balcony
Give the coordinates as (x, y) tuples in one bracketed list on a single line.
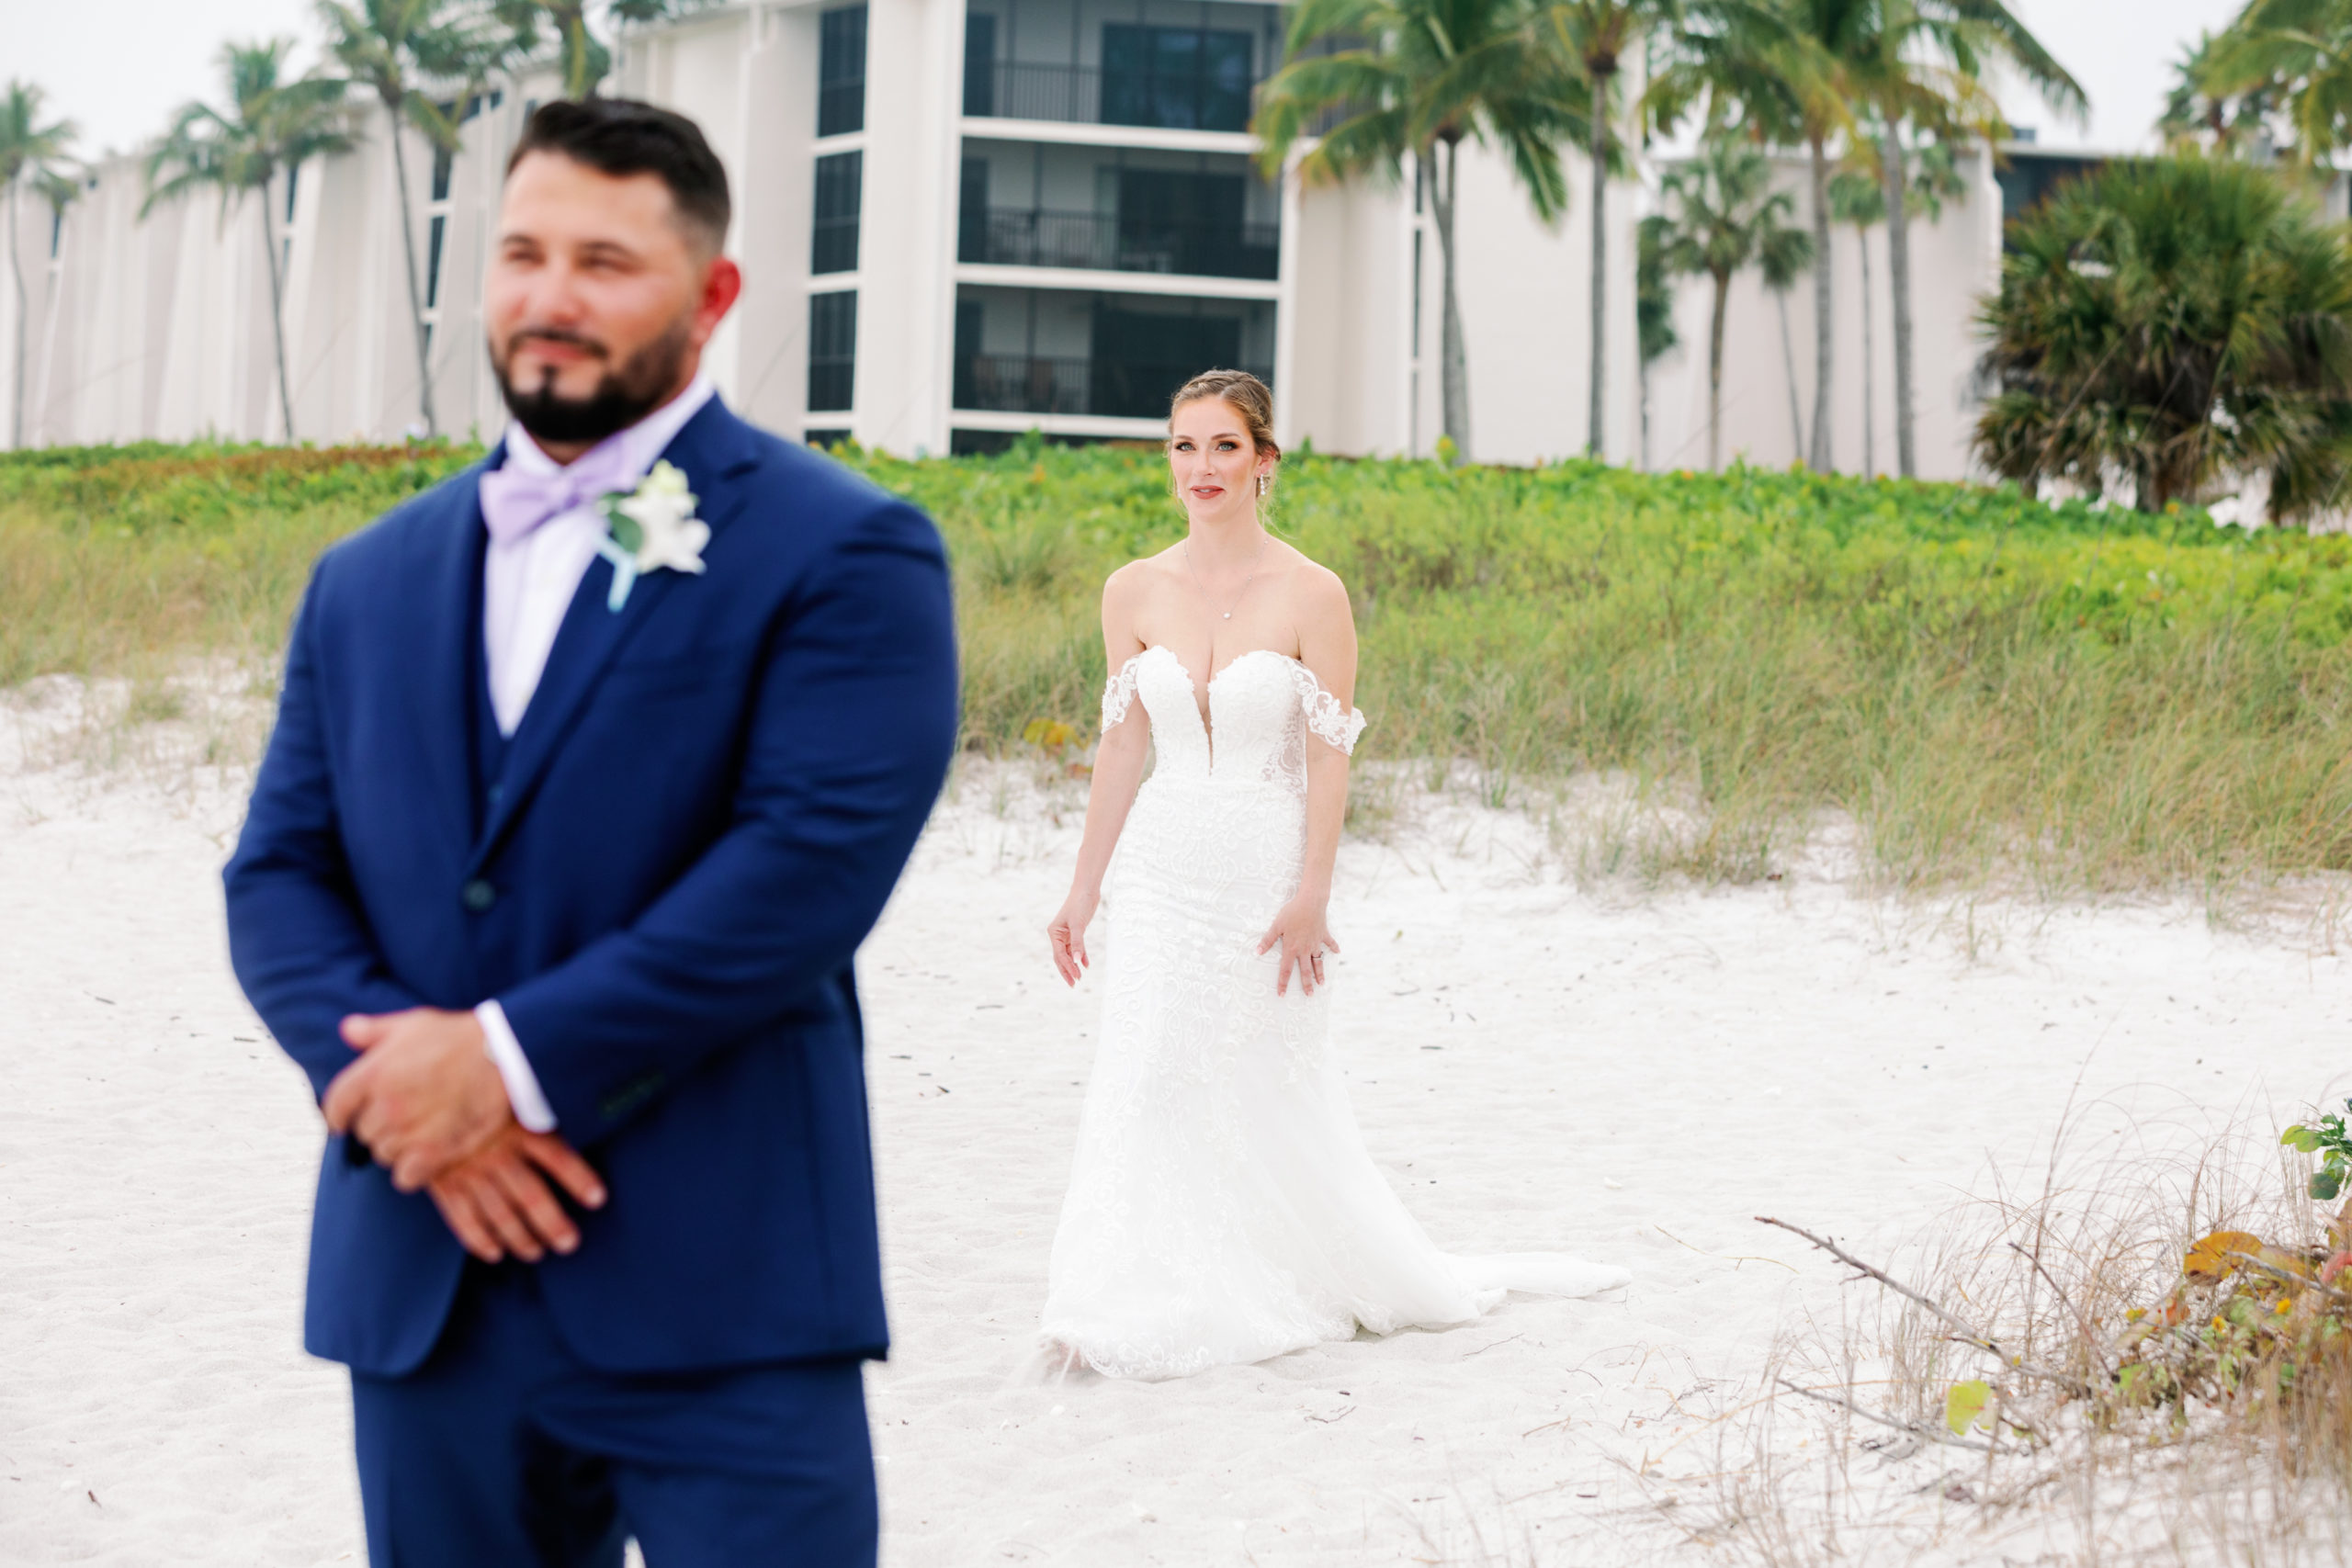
[(1085, 94), (1012, 383), (1014, 236)]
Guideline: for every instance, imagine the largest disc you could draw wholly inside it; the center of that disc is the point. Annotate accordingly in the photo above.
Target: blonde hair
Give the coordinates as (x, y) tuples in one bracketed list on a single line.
[(1244, 393)]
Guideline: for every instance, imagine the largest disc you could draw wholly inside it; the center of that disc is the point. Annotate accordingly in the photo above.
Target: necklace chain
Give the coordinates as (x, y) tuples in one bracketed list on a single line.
[(1255, 561)]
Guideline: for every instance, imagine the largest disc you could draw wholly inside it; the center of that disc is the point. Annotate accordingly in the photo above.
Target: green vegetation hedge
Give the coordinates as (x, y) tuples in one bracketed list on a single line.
[(2096, 699)]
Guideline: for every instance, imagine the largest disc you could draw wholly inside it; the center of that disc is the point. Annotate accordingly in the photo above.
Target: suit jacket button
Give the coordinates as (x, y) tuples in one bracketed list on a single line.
[(478, 896)]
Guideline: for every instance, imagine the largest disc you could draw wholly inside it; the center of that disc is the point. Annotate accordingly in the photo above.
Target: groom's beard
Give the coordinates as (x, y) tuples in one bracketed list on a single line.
[(625, 394)]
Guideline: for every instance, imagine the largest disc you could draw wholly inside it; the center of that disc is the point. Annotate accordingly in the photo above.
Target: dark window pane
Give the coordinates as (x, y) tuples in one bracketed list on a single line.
[(1177, 78), (445, 162), (840, 185), (833, 350), (1140, 358), (432, 264), (968, 352), (972, 213), (979, 63), (841, 72)]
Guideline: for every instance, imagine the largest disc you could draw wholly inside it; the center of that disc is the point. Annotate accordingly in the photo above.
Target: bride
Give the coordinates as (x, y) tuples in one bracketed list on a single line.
[(1222, 1207)]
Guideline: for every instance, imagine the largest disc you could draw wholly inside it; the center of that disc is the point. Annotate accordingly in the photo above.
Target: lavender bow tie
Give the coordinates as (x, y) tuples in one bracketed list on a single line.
[(515, 500)]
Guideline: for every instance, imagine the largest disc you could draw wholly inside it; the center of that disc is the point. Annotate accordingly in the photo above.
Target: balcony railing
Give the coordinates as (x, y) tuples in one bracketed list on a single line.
[(1004, 383), (1085, 94), (1017, 236)]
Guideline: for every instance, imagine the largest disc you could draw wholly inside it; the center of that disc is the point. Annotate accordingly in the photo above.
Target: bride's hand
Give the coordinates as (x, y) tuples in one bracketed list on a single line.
[(1068, 933), (1304, 937)]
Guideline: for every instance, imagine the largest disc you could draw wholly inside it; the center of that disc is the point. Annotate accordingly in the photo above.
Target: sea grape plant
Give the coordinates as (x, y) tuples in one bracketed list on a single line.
[(2328, 1140)]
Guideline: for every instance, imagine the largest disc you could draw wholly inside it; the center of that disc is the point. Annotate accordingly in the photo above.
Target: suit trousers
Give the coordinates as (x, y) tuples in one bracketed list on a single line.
[(503, 1450)]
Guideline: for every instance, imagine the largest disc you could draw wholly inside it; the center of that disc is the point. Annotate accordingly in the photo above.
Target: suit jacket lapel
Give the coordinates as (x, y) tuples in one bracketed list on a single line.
[(712, 448), (450, 611)]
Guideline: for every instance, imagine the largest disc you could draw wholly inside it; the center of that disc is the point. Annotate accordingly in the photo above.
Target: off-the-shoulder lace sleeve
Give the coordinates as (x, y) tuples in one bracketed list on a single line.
[(1118, 692), (1325, 716)]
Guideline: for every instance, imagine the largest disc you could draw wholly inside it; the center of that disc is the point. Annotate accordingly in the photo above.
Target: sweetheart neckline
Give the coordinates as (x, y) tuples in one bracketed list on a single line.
[(1250, 653), (1203, 713)]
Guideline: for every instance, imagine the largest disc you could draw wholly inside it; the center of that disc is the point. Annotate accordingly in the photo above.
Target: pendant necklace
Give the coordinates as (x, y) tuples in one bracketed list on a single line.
[(1254, 563)]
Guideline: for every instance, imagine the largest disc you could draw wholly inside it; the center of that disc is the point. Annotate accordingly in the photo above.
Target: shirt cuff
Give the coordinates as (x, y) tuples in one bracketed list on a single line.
[(522, 1092)]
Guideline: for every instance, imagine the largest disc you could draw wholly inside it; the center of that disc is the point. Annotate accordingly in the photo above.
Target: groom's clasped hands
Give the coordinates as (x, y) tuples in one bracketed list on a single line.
[(428, 1104)]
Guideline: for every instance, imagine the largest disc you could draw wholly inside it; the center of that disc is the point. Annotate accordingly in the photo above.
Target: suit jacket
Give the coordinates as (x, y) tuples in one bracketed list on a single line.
[(699, 819)]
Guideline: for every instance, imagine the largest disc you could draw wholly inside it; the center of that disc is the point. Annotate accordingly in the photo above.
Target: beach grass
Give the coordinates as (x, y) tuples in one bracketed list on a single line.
[(1990, 689)]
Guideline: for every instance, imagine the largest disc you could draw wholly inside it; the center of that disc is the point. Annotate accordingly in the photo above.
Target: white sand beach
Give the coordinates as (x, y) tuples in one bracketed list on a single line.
[(1628, 1076)]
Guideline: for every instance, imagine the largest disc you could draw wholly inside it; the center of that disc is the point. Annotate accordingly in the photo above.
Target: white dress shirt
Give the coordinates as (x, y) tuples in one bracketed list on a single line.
[(528, 585)]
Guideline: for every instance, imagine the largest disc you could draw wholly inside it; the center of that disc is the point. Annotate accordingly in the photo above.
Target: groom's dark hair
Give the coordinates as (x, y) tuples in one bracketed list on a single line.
[(622, 137)]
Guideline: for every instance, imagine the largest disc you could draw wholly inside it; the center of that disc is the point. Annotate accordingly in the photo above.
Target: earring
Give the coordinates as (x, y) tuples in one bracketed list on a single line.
[(1261, 487)]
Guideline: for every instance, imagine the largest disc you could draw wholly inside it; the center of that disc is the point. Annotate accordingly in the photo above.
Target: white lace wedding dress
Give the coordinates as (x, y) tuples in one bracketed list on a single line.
[(1222, 1207)]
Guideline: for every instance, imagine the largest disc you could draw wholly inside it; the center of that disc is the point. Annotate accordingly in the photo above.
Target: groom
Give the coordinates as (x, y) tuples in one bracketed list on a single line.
[(585, 786)]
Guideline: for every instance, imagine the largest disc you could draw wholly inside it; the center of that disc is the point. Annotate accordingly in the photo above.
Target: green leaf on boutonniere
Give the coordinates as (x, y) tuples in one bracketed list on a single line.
[(627, 532)]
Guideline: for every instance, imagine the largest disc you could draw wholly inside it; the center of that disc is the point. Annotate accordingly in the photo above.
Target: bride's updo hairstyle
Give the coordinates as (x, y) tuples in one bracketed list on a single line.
[(1241, 391)]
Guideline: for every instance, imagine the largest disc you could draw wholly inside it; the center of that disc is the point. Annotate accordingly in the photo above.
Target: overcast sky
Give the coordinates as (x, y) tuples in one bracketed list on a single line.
[(119, 67)]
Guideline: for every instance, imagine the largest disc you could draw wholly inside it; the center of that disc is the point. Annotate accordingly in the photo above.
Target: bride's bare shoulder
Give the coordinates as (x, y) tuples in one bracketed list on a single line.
[(1128, 590), (1138, 575), (1313, 585)]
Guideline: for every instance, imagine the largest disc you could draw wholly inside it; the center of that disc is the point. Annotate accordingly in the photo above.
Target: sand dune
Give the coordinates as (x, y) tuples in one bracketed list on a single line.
[(1629, 1078)]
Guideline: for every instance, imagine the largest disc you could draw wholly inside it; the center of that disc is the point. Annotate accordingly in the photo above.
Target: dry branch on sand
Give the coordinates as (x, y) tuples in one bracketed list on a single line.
[(2131, 1372)]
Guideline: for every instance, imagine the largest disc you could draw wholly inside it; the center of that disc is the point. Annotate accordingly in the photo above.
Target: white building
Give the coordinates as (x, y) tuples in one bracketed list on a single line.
[(960, 219)]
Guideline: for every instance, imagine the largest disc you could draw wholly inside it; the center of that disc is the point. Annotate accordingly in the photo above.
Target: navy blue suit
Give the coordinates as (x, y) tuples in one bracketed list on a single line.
[(663, 878)]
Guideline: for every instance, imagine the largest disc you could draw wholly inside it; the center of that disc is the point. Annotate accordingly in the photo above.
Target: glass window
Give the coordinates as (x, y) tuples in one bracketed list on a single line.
[(833, 350), (432, 264), (979, 63), (1177, 78), (839, 182), (972, 212), (841, 72)]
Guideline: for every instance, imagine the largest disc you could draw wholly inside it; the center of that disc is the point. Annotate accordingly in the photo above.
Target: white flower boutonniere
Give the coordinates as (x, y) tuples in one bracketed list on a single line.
[(653, 528)]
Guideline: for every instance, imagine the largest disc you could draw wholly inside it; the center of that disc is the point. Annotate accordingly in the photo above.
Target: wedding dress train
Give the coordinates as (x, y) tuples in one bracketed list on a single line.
[(1222, 1207)]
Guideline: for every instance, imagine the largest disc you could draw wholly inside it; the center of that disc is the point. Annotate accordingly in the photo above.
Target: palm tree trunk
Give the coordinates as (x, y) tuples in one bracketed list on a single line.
[(1453, 369), (415, 294), (575, 56), (1898, 268), (277, 314), (1819, 458), (1643, 456), (1715, 375), (1870, 394), (24, 312), (1789, 365), (1600, 258)]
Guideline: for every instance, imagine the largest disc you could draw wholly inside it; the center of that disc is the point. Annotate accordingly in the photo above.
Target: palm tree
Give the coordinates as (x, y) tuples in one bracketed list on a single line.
[(1780, 269), (395, 49), (581, 58), (268, 125), (1419, 77), (33, 154), (1653, 308), (2297, 53), (2198, 118), (1921, 63), (1858, 196), (1595, 34), (1723, 215), (1788, 82), (2179, 321)]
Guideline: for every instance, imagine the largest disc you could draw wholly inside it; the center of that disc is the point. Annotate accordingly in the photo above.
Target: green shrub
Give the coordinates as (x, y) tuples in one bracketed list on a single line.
[(2100, 699)]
